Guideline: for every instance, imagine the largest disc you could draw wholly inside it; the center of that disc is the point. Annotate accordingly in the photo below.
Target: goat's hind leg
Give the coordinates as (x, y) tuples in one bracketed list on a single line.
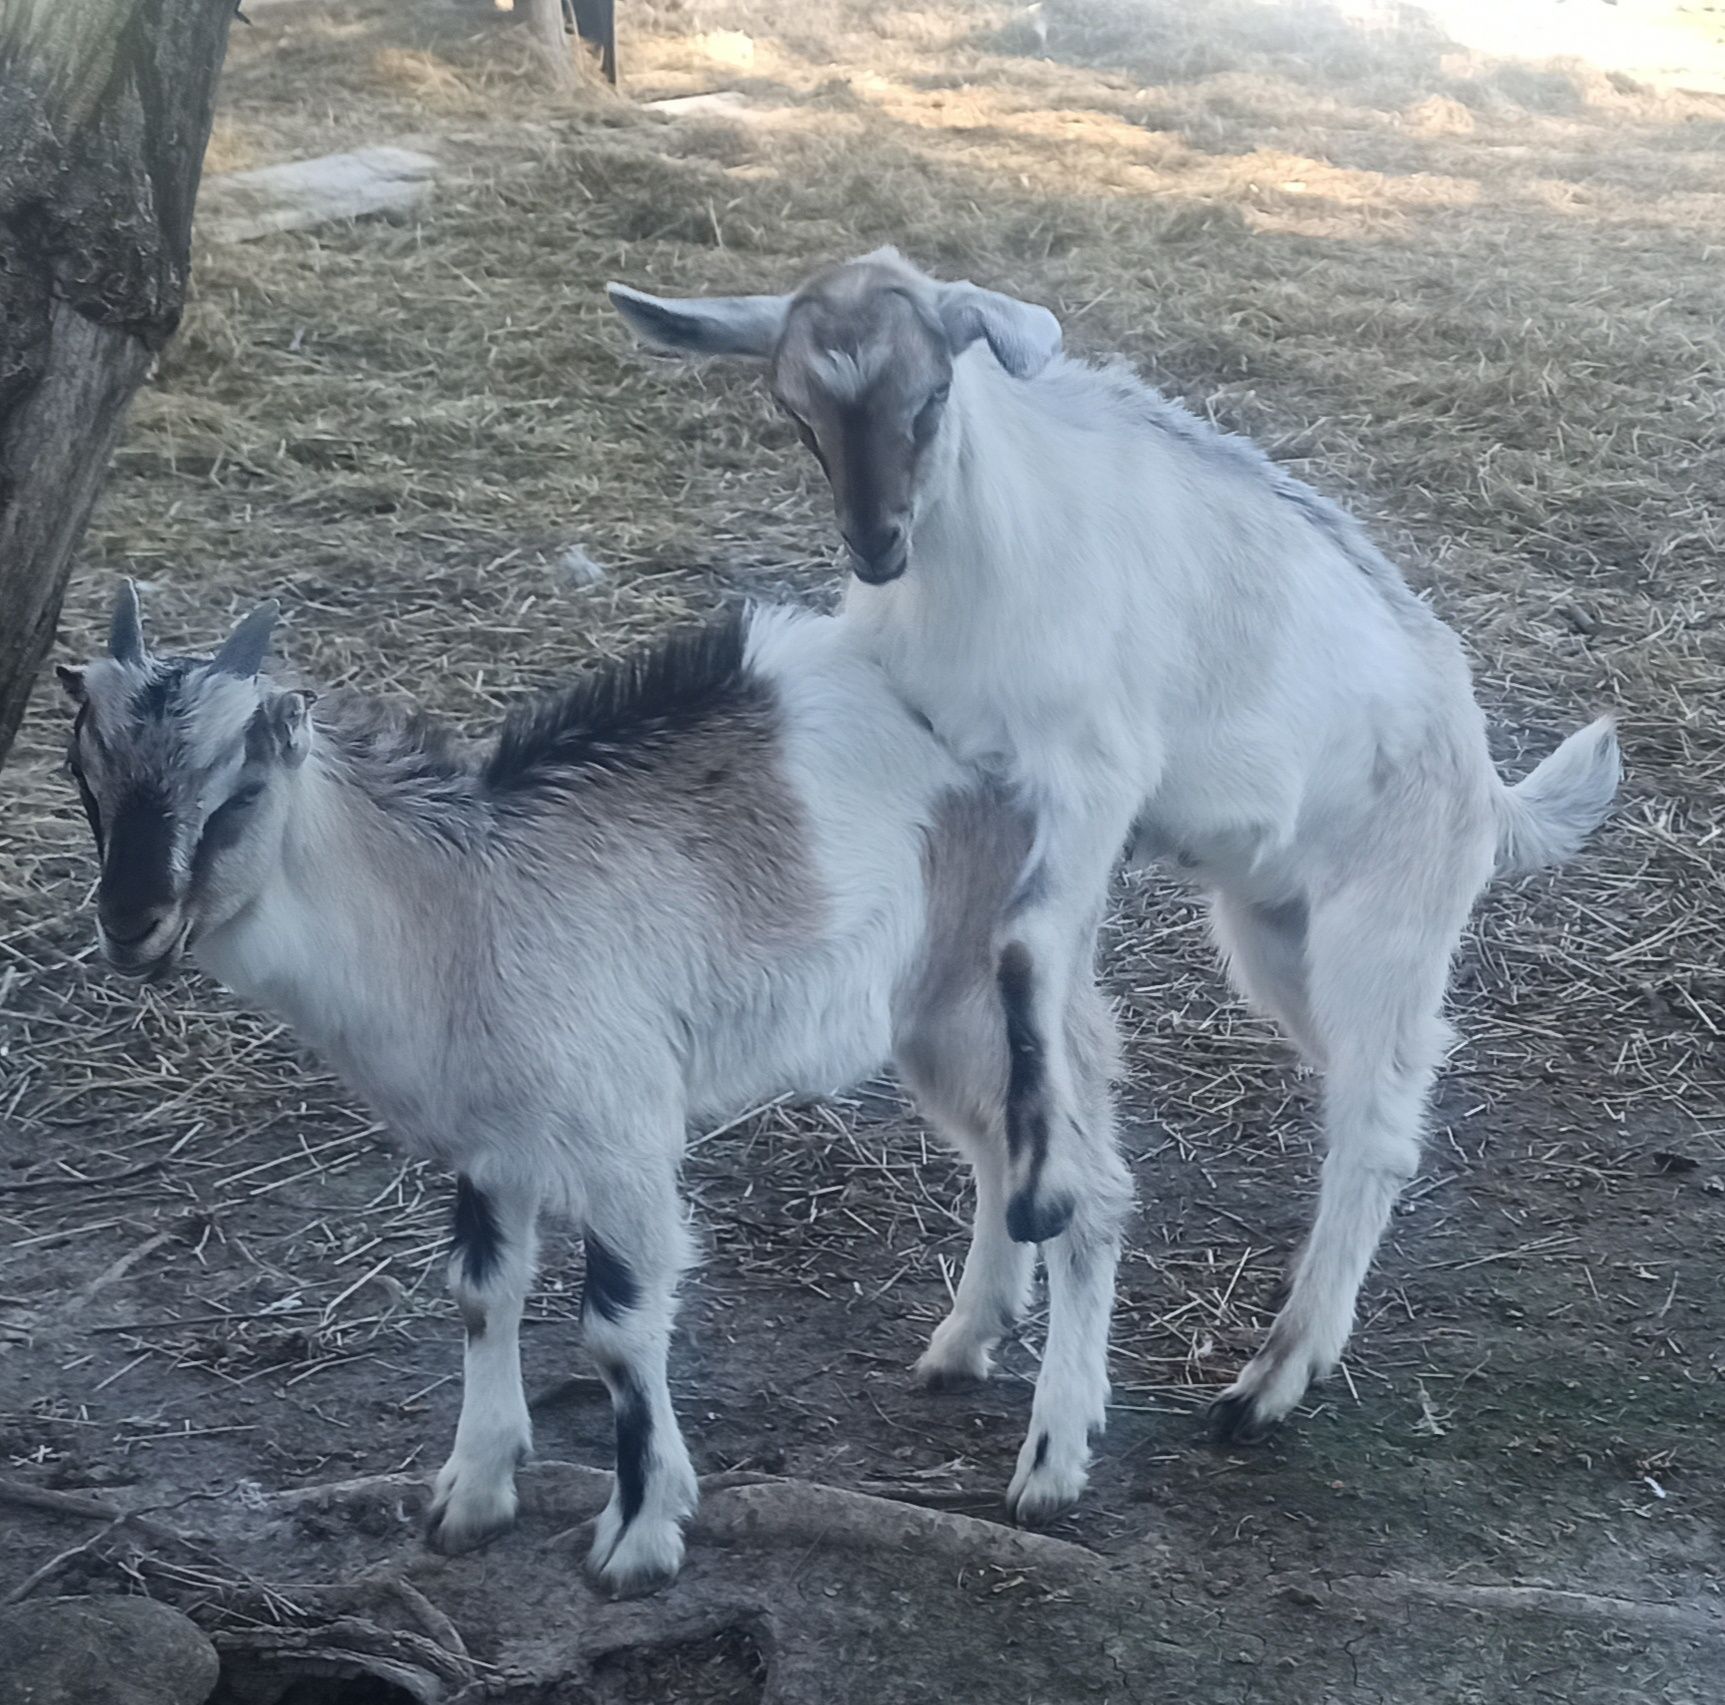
[(490, 1268), (1376, 988), (995, 1283), (637, 1248)]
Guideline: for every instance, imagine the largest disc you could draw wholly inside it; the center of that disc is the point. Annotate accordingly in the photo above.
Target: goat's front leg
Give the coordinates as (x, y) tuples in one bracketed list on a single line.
[(637, 1248), (490, 1268), (1071, 1403), (1048, 943)]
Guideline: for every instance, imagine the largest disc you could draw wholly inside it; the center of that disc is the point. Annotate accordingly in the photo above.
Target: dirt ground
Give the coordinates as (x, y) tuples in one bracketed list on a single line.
[(1479, 300)]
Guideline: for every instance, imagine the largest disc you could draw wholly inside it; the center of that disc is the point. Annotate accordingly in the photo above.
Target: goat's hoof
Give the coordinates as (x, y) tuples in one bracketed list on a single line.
[(455, 1525), (1035, 1219), (945, 1377), (951, 1367), (1237, 1418), (644, 1557), (1050, 1478)]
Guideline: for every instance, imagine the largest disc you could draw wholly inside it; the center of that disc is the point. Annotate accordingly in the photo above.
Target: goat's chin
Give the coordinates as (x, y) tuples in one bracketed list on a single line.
[(150, 967), (872, 574)]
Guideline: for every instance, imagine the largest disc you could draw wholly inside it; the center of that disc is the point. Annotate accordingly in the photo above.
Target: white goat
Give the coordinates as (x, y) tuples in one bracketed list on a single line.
[(1158, 636), (736, 866)]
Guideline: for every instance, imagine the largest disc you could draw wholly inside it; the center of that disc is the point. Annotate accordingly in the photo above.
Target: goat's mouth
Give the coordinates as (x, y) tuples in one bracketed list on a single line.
[(142, 963), (880, 571)]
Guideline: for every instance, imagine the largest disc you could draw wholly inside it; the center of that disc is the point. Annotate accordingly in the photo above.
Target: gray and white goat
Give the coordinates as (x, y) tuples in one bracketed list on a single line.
[(735, 866), (1159, 637)]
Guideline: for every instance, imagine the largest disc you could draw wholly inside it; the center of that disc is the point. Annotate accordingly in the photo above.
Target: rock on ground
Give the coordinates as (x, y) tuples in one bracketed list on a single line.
[(103, 1651)]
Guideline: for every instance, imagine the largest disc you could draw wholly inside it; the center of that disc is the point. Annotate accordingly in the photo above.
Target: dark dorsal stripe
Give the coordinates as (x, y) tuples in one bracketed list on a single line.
[(618, 717)]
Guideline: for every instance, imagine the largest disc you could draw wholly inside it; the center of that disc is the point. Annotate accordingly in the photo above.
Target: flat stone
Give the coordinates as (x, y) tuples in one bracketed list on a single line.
[(235, 207), (103, 1651)]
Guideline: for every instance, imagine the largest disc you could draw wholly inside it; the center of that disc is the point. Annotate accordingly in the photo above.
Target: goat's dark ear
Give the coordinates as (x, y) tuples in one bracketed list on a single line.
[(1024, 337), (703, 325), (289, 717), (73, 681), (126, 627), (245, 648)]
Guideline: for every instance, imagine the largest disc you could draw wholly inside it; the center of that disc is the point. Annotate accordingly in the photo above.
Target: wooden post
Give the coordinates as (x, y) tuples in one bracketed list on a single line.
[(545, 20), (105, 109)]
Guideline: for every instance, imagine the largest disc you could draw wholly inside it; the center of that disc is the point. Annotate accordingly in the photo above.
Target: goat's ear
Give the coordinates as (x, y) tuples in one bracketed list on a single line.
[(289, 718), (244, 650), (126, 627), (73, 681), (1024, 337), (703, 325)]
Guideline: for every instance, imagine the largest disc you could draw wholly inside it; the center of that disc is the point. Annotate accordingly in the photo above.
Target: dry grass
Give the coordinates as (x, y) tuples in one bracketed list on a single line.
[(1479, 301)]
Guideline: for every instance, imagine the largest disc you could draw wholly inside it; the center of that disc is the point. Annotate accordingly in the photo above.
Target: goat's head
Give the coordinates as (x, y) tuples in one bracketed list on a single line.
[(180, 763), (861, 358)]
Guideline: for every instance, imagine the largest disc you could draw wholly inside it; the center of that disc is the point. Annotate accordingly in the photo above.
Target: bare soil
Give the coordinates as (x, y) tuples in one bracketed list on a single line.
[(1479, 300)]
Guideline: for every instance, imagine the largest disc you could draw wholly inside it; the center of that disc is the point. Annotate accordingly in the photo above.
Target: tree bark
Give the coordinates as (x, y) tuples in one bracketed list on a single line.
[(105, 110), (545, 20)]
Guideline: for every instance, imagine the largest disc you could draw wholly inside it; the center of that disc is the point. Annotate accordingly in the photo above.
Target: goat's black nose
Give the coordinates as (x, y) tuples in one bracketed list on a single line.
[(878, 554), (132, 928)]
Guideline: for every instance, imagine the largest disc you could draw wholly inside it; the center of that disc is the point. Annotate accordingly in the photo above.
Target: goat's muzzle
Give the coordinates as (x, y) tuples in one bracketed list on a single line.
[(880, 555), (146, 945)]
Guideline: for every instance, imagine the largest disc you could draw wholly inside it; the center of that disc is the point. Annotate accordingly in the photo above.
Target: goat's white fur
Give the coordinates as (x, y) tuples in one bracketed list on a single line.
[(1159, 635)]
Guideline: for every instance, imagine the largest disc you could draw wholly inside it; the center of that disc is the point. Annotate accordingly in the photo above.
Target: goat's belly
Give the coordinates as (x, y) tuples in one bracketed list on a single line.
[(799, 1035), (1248, 859)]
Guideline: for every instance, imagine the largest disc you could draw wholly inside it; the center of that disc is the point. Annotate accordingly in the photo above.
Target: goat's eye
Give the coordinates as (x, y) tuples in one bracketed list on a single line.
[(87, 799), (928, 416)]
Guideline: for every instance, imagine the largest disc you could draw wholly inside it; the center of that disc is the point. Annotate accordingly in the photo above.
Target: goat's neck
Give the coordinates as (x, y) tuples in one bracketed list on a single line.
[(1003, 481), (330, 941)]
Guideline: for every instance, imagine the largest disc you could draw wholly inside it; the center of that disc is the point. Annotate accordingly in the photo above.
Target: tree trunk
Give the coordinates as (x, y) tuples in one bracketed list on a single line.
[(545, 20), (105, 109)]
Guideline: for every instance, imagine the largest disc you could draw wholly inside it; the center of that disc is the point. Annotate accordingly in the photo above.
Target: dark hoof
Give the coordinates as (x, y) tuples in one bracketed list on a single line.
[(1234, 1420), (1030, 1220), (951, 1379)]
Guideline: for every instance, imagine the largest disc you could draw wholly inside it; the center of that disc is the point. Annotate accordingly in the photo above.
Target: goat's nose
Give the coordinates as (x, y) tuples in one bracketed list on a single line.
[(878, 553), (132, 929)]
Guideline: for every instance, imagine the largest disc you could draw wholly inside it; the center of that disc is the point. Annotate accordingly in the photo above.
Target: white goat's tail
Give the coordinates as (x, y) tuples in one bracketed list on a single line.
[(1546, 816)]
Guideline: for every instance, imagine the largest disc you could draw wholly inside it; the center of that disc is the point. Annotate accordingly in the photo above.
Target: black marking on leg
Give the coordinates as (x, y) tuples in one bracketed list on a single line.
[(1041, 1453), (1234, 1420), (611, 1289), (477, 1239), (1033, 1219), (634, 1441), (1029, 1219), (1025, 1058)]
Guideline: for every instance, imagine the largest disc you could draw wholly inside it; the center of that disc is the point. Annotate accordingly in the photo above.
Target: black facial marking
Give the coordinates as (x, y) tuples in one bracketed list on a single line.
[(151, 699), (634, 1442), (928, 418), (136, 878), (611, 1290), (222, 830), (475, 1233)]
